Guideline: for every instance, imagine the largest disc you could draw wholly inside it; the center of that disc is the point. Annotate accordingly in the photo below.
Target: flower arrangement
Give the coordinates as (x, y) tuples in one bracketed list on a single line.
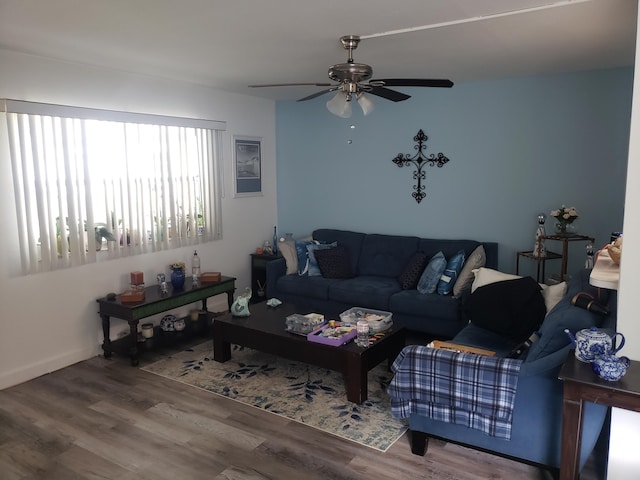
[(565, 216), (177, 266)]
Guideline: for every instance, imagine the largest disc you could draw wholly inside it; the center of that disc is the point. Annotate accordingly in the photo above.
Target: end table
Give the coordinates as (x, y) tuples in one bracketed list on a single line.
[(259, 275), (564, 256), (581, 385)]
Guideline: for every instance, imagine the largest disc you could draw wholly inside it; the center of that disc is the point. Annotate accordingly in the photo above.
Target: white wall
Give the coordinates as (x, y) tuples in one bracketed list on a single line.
[(48, 321), (624, 462)]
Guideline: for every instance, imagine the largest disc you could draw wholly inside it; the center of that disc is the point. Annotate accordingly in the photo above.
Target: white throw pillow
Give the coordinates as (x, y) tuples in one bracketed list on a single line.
[(485, 276), (288, 250), (552, 294)]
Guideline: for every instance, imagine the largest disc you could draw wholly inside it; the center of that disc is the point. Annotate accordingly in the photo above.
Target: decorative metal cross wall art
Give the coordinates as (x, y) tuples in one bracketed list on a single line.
[(419, 160)]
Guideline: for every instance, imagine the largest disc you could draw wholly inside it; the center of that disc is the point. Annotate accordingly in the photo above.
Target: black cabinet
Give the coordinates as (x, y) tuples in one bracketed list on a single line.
[(259, 275)]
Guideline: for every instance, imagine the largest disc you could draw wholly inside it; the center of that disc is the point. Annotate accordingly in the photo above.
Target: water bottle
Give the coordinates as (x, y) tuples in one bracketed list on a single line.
[(275, 241), (195, 267)]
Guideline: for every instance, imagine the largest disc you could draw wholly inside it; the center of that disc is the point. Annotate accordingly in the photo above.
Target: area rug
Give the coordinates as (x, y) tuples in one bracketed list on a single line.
[(310, 395)]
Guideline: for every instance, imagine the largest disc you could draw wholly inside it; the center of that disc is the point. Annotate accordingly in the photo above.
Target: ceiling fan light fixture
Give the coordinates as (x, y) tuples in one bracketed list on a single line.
[(339, 105), (366, 103)]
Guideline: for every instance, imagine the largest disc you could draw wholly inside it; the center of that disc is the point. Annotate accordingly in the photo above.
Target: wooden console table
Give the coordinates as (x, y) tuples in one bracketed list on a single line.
[(581, 385), (154, 303)]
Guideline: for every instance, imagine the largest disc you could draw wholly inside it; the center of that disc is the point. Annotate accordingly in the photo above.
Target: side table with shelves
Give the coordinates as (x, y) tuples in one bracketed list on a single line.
[(259, 275), (582, 385), (155, 302), (564, 256), (541, 262)]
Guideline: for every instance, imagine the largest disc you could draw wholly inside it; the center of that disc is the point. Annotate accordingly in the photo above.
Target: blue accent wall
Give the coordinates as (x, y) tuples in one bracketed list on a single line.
[(517, 147)]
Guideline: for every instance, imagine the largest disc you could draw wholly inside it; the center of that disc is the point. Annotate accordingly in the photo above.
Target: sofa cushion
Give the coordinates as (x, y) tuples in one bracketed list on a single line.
[(409, 277), (449, 248), (450, 274), (474, 336), (314, 270), (364, 291), (511, 308), (385, 255), (412, 302), (352, 241), (304, 285), (476, 260), (432, 273), (334, 262)]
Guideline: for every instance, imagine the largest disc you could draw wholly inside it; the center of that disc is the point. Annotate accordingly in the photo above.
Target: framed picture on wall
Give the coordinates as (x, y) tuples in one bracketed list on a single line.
[(247, 163)]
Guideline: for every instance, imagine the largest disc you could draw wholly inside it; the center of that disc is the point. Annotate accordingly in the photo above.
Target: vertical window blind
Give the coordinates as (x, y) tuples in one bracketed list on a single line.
[(92, 185)]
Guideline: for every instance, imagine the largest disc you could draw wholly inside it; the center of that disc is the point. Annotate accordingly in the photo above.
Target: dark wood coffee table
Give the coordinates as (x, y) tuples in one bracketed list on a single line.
[(265, 331)]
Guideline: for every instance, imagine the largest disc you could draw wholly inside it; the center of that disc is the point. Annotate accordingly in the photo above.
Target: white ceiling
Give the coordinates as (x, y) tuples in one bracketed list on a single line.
[(231, 44)]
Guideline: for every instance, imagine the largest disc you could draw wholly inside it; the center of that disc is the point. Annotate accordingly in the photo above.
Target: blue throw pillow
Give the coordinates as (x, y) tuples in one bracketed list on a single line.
[(450, 274), (314, 269), (431, 275), (303, 256)]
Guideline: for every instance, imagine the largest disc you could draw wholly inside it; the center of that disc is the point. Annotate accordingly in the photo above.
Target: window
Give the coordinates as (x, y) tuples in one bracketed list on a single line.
[(92, 185)]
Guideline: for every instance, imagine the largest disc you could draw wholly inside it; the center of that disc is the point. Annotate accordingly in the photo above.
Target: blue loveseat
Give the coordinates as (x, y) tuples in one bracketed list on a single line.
[(377, 261), (537, 410)]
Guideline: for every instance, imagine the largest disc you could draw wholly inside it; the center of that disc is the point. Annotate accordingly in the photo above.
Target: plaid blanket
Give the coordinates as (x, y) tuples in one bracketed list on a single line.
[(477, 391)]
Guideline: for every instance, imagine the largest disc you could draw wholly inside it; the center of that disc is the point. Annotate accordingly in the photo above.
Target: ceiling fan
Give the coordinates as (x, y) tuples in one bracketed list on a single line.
[(354, 80)]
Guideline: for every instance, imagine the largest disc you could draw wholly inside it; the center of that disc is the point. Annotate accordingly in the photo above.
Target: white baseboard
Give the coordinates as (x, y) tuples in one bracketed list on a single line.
[(44, 366)]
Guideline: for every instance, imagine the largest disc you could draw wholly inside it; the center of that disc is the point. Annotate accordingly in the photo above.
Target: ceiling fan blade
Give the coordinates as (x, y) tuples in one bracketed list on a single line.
[(414, 82), (388, 94), (289, 85), (317, 94)]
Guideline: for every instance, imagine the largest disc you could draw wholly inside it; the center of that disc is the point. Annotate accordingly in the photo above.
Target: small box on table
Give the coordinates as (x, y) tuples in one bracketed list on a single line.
[(132, 296), (210, 277)]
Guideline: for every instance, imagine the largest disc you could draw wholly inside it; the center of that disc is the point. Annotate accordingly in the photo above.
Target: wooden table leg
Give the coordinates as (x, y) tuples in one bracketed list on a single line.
[(355, 378), (572, 410), (565, 259), (133, 349), (106, 333), (230, 297), (221, 348)]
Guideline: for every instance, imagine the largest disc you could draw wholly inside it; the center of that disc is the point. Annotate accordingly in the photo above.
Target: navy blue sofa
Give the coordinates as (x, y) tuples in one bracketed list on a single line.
[(377, 260), (537, 414)]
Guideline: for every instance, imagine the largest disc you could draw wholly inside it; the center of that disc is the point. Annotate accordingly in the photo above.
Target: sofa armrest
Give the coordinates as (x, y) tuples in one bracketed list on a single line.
[(275, 270), (547, 366)]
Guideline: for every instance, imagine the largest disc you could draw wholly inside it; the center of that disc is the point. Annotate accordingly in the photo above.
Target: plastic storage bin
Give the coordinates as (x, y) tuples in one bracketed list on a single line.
[(379, 320), (304, 324)]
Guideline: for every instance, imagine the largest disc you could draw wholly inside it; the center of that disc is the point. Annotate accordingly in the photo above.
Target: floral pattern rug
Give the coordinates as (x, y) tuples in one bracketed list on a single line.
[(298, 391)]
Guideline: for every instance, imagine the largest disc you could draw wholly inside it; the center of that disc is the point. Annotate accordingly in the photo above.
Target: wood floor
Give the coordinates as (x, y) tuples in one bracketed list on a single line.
[(103, 419)]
